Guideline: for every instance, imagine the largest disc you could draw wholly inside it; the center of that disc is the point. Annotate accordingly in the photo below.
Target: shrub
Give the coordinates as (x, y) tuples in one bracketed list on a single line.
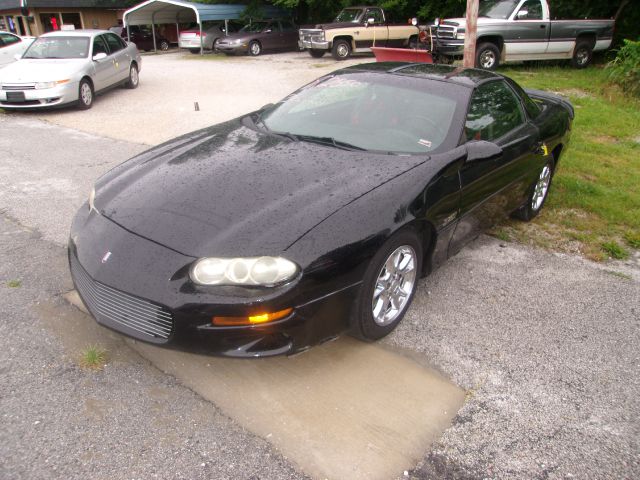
[(625, 68)]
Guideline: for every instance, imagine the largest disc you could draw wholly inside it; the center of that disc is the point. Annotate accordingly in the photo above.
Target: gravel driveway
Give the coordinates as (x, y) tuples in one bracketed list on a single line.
[(545, 345)]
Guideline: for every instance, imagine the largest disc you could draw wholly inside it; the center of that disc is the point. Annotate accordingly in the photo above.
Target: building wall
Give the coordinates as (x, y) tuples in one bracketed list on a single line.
[(89, 18)]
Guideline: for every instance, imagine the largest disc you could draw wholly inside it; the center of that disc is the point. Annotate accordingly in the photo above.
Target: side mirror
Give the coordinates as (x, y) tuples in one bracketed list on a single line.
[(371, 21), (268, 30), (480, 150), (268, 105), (436, 22), (414, 21), (17, 56), (522, 14)]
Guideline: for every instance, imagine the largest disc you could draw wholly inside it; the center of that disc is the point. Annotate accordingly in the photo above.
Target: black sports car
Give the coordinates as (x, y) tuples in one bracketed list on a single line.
[(285, 227)]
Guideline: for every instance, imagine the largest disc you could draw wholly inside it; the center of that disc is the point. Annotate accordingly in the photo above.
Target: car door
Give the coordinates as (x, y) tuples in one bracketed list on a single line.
[(529, 31), (289, 35), (103, 68), (10, 45), (492, 188), (118, 54), (270, 38), (378, 33)]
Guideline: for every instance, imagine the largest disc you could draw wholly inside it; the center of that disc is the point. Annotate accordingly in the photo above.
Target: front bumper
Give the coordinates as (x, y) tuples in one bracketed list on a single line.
[(452, 48), (143, 290), (49, 97), (313, 45)]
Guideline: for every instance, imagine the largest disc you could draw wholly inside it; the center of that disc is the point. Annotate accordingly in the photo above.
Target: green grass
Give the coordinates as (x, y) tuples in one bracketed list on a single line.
[(14, 284), (93, 357), (595, 199)]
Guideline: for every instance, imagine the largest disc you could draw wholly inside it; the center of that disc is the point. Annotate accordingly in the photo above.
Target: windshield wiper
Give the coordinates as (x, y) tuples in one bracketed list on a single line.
[(327, 141)]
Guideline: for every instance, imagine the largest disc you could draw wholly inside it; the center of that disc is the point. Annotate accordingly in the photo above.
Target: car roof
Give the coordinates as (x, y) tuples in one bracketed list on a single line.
[(75, 33), (469, 77)]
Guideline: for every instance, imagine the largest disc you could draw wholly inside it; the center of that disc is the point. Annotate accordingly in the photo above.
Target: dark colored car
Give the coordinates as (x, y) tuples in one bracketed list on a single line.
[(142, 37), (285, 227), (260, 36)]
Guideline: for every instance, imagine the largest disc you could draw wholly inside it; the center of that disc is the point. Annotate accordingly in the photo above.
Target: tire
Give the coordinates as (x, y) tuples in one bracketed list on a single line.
[(537, 193), (255, 48), (134, 80), (341, 50), (582, 54), (368, 319), (214, 45), (487, 56), (85, 94), (317, 53), (195, 51), (164, 46)]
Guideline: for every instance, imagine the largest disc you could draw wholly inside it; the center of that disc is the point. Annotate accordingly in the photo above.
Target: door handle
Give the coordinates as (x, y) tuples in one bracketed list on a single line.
[(543, 26)]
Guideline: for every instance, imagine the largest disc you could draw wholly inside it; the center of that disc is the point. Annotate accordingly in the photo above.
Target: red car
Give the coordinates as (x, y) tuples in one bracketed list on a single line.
[(142, 36)]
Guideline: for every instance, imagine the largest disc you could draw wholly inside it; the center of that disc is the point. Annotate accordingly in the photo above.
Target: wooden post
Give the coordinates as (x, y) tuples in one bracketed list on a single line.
[(470, 34)]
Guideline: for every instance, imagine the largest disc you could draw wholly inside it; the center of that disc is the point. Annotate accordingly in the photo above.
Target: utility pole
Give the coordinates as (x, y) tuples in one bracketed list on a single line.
[(470, 34)]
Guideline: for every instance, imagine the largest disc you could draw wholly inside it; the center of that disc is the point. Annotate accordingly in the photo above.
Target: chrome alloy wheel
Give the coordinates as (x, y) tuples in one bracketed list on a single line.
[(86, 95), (342, 50), (541, 188), (133, 76), (487, 59), (255, 48), (394, 285)]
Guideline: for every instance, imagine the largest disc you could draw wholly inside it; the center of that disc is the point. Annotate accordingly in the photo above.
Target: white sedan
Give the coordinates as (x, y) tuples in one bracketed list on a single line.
[(65, 67), (12, 45)]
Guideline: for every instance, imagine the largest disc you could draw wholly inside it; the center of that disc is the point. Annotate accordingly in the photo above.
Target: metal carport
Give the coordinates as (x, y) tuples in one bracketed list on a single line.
[(154, 12)]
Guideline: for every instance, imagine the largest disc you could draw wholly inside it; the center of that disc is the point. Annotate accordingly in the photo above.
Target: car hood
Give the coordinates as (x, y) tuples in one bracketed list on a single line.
[(230, 190), (40, 70)]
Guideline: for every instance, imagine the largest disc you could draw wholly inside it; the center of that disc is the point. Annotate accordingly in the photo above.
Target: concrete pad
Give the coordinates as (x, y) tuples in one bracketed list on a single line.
[(345, 409)]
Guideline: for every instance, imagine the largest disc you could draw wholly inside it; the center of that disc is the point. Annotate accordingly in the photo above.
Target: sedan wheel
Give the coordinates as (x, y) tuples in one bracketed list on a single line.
[(388, 286), (394, 285), (85, 94), (164, 45), (255, 48), (538, 195)]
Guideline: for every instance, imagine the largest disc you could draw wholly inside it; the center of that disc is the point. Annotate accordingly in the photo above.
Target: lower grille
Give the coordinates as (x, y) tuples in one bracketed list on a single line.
[(18, 86), (144, 317), (445, 32)]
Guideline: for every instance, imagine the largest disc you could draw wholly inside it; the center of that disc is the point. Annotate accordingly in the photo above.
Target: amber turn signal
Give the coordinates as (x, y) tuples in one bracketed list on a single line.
[(252, 319)]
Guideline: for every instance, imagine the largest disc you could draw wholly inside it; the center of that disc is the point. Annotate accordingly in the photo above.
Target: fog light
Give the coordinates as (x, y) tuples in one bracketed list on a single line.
[(252, 319)]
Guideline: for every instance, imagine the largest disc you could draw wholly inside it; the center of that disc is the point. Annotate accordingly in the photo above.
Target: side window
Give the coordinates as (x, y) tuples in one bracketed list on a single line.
[(99, 46), (494, 111), (7, 39), (374, 13), (533, 9), (287, 26), (532, 108), (113, 41), (274, 26)]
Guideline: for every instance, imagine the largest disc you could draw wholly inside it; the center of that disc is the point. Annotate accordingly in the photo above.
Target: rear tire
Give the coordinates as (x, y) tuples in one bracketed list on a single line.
[(582, 54), (389, 284), (317, 53), (341, 50), (487, 56), (85, 94), (538, 193), (164, 46)]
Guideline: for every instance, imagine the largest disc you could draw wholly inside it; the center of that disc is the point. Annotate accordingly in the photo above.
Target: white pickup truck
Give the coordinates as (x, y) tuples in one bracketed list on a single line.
[(518, 30)]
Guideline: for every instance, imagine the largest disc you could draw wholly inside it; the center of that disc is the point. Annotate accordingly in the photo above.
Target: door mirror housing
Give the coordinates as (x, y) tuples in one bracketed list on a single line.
[(99, 56), (370, 21), (478, 151), (268, 30), (522, 14)]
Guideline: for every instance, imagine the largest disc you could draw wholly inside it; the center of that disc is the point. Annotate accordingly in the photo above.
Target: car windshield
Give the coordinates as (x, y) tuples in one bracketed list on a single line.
[(497, 8), (369, 111), (349, 15), (58, 47), (254, 27)]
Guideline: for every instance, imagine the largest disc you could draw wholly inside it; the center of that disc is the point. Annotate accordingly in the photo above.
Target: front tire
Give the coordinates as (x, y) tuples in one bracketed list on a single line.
[(341, 50), (582, 54), (317, 53), (134, 79), (255, 48), (85, 94), (538, 193), (388, 287), (487, 56), (164, 46)]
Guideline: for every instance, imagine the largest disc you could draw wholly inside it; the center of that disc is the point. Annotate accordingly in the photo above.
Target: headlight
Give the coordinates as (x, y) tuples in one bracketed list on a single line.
[(45, 85), (264, 271), (92, 197)]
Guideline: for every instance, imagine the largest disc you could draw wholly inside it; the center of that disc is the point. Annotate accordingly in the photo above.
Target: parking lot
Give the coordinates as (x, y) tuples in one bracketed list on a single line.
[(512, 362)]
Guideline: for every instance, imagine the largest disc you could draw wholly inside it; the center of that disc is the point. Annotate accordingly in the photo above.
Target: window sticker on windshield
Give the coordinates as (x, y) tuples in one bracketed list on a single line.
[(424, 143)]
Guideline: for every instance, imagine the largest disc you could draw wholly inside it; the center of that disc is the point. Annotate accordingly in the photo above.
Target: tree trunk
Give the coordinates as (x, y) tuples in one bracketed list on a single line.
[(470, 34)]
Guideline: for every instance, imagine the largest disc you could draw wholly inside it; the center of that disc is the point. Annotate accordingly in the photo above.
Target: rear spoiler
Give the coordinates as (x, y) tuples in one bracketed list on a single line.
[(553, 98)]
